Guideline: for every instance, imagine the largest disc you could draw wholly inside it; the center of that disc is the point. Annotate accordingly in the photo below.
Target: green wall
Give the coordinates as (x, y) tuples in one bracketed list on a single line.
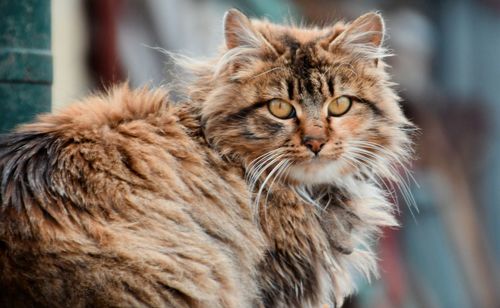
[(25, 61)]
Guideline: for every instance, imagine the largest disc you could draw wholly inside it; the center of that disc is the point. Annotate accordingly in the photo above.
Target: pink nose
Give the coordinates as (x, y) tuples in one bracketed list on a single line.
[(314, 144)]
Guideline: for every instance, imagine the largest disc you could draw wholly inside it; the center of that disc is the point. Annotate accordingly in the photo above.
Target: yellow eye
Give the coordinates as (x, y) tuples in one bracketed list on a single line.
[(339, 106), (281, 109)]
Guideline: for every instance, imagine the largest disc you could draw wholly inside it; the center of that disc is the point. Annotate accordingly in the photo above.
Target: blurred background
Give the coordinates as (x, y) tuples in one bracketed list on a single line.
[(447, 253)]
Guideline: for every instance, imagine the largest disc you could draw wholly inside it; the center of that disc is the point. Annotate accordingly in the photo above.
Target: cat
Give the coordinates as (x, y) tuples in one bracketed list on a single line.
[(264, 188)]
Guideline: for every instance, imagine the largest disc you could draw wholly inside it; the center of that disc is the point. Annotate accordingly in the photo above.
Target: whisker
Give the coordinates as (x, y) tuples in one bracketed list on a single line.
[(271, 173), (305, 195), (353, 161), (268, 71), (391, 154), (259, 159), (385, 169), (277, 177), (259, 166), (261, 169), (395, 173)]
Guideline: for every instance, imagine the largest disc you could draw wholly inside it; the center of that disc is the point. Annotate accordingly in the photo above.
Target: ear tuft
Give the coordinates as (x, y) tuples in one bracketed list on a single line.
[(367, 29), (238, 30), (373, 25)]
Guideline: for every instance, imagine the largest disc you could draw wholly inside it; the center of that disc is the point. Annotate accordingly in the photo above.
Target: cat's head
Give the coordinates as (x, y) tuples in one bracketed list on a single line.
[(312, 104)]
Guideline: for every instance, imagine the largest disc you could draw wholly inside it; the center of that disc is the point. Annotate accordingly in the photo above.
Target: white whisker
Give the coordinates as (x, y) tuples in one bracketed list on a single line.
[(277, 177), (360, 150), (267, 178)]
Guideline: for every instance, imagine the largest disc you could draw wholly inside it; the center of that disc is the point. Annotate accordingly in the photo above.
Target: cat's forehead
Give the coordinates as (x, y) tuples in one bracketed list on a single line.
[(303, 50), (298, 35), (303, 64), (304, 59)]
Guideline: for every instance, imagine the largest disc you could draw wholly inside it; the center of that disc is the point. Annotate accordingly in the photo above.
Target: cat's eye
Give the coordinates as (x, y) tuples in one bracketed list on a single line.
[(339, 106), (281, 109)]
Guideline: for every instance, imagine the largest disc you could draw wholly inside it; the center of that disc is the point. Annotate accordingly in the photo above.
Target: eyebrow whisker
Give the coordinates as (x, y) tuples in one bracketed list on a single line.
[(268, 71)]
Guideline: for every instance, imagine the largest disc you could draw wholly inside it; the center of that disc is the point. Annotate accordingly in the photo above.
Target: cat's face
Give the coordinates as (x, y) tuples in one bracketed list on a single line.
[(311, 104)]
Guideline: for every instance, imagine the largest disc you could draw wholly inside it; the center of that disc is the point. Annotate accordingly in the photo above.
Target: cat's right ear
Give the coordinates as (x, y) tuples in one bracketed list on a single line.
[(365, 36), (238, 30)]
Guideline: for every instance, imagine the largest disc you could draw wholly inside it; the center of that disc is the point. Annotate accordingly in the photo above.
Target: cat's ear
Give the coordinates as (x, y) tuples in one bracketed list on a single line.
[(238, 30), (365, 34)]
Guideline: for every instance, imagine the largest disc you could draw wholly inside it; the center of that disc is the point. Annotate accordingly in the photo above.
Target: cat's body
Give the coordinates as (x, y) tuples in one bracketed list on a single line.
[(122, 208), (130, 200)]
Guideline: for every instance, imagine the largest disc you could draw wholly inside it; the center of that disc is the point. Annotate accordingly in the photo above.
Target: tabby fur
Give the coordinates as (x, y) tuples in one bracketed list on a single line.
[(130, 199)]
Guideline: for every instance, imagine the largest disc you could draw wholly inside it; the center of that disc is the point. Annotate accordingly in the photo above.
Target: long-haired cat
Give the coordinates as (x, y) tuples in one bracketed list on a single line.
[(260, 190)]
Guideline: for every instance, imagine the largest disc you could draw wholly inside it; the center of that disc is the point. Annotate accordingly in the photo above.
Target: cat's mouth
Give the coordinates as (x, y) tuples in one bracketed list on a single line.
[(319, 160), (318, 170)]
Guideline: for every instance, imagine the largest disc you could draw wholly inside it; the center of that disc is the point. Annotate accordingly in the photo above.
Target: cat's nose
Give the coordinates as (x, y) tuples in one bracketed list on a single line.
[(314, 144)]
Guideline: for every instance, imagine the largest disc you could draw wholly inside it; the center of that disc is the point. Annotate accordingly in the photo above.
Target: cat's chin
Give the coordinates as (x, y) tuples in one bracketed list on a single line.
[(316, 172)]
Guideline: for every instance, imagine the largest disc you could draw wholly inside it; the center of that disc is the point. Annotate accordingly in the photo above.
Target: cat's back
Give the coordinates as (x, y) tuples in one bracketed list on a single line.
[(114, 202)]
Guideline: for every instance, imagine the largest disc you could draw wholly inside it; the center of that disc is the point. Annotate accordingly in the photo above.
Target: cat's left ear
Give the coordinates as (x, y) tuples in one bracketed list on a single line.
[(365, 35), (238, 30)]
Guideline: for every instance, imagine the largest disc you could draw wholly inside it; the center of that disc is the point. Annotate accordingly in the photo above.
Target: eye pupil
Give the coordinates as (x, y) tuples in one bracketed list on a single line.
[(281, 109), (339, 106)]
